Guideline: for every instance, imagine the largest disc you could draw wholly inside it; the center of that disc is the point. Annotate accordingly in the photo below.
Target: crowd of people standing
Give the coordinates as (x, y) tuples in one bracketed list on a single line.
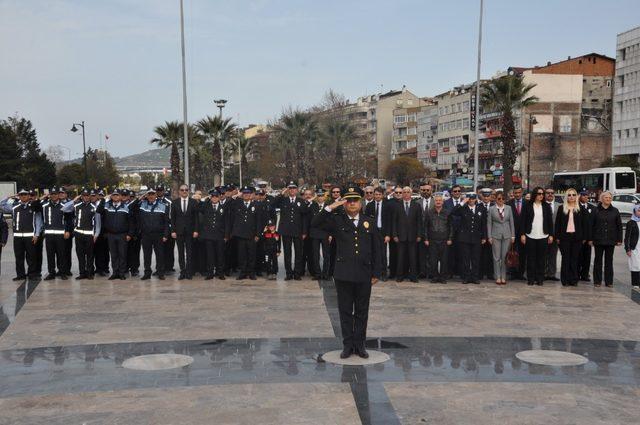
[(486, 234)]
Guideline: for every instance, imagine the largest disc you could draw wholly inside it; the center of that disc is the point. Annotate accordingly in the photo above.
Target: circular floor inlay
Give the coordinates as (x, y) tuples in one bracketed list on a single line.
[(552, 358), (157, 362), (374, 357)]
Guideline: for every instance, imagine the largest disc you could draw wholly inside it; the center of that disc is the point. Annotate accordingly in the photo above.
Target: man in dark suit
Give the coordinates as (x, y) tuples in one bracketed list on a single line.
[(472, 235), (426, 203), (407, 231), (248, 220), (184, 227), (292, 229), (517, 207), (358, 266), (454, 258), (381, 210), (394, 201), (213, 231)]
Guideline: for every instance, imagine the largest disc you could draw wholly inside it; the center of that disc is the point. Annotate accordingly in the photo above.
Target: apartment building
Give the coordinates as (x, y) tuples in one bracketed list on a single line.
[(626, 110)]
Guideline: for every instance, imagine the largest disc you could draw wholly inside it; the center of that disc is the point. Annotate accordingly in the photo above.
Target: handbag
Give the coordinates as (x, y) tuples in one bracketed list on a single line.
[(513, 259)]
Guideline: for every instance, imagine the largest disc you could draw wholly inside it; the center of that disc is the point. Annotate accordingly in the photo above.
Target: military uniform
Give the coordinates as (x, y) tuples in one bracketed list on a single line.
[(291, 228), (246, 228), (214, 229), (358, 260), (471, 232), (27, 222)]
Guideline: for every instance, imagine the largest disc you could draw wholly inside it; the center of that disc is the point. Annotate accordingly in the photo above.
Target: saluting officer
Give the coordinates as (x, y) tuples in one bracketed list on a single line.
[(39, 246), (292, 228), (101, 247), (472, 235), (63, 196), (57, 229), (133, 246), (320, 239), (358, 266), (87, 227), (246, 228), (169, 245), (27, 224), (118, 229), (214, 231)]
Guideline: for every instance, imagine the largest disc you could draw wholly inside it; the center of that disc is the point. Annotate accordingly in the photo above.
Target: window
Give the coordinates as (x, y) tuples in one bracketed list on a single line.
[(454, 108), (412, 131), (465, 105), (446, 110), (459, 124), (441, 127), (412, 117), (465, 123), (441, 110), (401, 132), (565, 124), (399, 119)]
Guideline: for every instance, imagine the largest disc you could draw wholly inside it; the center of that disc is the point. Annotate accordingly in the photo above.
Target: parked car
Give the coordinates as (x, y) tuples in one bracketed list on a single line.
[(625, 204)]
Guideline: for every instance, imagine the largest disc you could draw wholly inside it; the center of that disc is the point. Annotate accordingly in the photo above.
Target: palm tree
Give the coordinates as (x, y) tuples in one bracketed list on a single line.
[(338, 133), (215, 130), (243, 147), (295, 129), (170, 135), (506, 95)]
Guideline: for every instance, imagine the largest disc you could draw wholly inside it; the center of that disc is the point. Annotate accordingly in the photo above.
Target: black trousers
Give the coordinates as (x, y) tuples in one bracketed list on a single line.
[(270, 262), (486, 262), (424, 263), (353, 306), (118, 246), (68, 253), (454, 259), (287, 243), (607, 252), (215, 257), (393, 258), (635, 278), (536, 259), (133, 254), (260, 257), (231, 250), (470, 256), (169, 256), (316, 246), (101, 254), (585, 262), (307, 252), (570, 249), (407, 256), (332, 257), (84, 251), (438, 255), (25, 250), (185, 248), (56, 253), (152, 243), (246, 256)]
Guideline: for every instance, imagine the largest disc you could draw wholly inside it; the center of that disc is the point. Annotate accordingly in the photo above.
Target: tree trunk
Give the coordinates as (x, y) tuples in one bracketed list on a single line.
[(509, 149)]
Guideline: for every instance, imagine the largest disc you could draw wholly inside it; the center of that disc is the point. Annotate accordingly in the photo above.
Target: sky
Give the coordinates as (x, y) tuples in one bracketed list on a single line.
[(116, 64)]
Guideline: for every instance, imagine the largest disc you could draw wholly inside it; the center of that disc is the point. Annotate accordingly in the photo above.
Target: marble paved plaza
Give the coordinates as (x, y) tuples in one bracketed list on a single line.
[(257, 346)]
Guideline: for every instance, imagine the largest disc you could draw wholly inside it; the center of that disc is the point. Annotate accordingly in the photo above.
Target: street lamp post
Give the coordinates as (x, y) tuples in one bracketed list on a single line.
[(84, 150), (532, 122), (185, 123), (220, 104), (477, 106)]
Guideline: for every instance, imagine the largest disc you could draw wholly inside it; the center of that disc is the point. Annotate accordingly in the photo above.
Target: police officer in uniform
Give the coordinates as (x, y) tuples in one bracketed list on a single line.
[(214, 231), (292, 229), (472, 235), (358, 266), (39, 246), (87, 227), (320, 239), (246, 228), (57, 229), (118, 230), (169, 245), (134, 246), (153, 220), (27, 224), (101, 247)]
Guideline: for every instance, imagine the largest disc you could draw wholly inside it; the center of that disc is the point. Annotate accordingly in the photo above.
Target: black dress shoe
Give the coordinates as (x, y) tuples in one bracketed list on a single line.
[(114, 277), (160, 276), (134, 273), (399, 279), (252, 277), (540, 283), (530, 283), (63, 277), (288, 277), (465, 282), (241, 277), (297, 277), (19, 278), (90, 277), (146, 276), (609, 285), (475, 282), (50, 276), (81, 277), (414, 280), (208, 277), (553, 278), (221, 277), (346, 352), (122, 277), (362, 352), (181, 277)]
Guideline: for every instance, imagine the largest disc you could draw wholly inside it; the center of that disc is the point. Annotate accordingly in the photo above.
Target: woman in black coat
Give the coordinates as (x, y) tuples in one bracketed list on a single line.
[(606, 234), (571, 230), (536, 235)]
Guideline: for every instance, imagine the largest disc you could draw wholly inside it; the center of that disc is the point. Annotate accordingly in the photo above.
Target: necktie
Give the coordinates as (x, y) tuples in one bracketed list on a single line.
[(501, 211), (518, 207), (215, 208), (184, 205), (377, 209), (353, 220), (246, 205), (406, 208)]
